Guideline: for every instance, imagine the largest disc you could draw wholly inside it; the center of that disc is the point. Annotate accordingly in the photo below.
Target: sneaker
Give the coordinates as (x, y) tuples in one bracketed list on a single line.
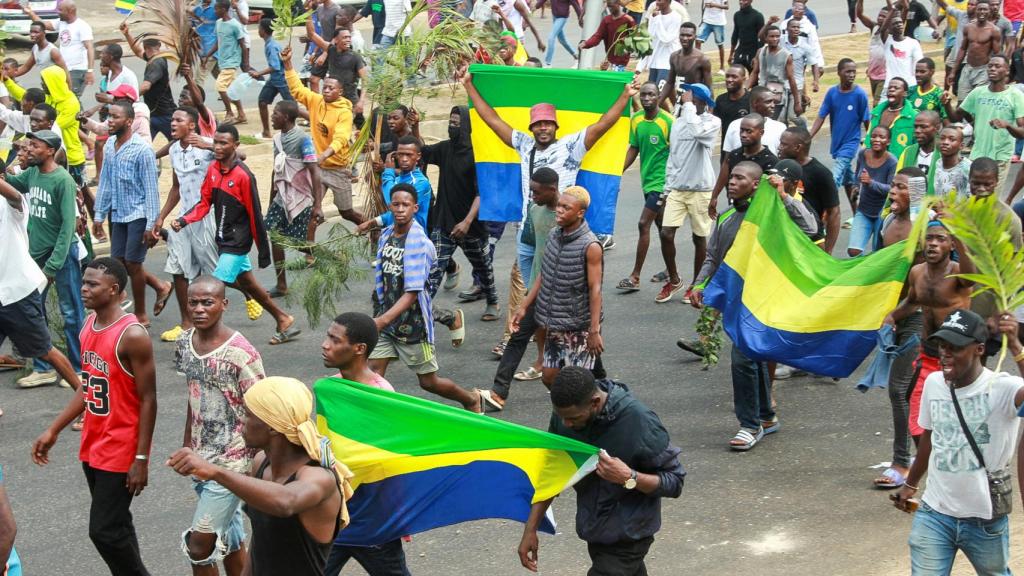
[(472, 295), (668, 291), (172, 334), (36, 379), (607, 241), (848, 224), (686, 296), (692, 346), (784, 372), (63, 383), (254, 309)]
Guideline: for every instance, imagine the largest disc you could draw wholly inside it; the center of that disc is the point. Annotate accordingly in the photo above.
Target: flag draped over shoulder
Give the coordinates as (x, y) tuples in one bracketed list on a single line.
[(783, 298), (420, 465), (580, 97), (125, 7)]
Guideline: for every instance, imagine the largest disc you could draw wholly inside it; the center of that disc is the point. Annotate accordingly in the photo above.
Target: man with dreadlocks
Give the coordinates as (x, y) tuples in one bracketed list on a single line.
[(295, 493)]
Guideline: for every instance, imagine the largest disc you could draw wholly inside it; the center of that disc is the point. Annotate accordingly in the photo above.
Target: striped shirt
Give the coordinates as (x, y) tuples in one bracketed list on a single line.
[(190, 166), (128, 189), (418, 258)]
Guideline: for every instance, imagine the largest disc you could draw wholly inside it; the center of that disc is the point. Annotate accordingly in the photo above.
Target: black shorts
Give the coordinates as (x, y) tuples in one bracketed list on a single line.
[(651, 201), (128, 240), (25, 324)]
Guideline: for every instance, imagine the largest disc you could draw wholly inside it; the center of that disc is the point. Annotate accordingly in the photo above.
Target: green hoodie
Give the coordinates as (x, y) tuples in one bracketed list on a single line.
[(59, 95)]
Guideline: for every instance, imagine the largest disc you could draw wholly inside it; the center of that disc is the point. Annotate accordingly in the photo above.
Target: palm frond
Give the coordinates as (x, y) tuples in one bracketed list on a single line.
[(172, 25), (984, 231)]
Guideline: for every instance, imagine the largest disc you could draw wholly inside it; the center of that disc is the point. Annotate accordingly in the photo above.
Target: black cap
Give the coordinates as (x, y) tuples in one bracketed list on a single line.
[(789, 169), (47, 137), (962, 327)]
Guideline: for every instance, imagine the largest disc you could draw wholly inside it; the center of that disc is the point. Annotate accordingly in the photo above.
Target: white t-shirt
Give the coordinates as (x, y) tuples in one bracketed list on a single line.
[(900, 59), (957, 484), (664, 31), (563, 156), (773, 130), (243, 11), (22, 275), (71, 39), (125, 77), (714, 15)]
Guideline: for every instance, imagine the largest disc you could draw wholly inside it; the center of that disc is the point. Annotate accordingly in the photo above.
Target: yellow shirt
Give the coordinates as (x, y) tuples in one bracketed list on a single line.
[(962, 5)]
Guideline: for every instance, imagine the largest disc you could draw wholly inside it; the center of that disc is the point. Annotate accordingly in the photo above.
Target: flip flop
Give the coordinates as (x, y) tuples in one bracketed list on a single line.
[(490, 315), (744, 440), (895, 479), (492, 402), (628, 285), (458, 334), (770, 426), (275, 293), (284, 336), (161, 301)]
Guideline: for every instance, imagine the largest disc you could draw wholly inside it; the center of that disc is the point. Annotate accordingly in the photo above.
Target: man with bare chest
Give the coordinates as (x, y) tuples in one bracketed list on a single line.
[(896, 227), (932, 289), (981, 41), (686, 65)]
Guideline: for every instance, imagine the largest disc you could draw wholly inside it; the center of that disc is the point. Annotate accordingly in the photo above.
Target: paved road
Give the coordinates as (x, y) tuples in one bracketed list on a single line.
[(800, 503)]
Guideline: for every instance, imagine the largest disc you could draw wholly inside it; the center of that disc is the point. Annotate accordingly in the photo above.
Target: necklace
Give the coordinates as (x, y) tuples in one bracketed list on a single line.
[(891, 109)]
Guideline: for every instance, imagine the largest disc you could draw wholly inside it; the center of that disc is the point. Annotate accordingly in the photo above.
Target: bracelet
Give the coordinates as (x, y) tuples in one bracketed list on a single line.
[(141, 457), (908, 485), (1019, 357)]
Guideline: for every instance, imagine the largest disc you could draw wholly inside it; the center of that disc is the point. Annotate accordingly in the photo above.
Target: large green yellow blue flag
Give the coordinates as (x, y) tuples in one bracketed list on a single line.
[(125, 7), (580, 97), (783, 298), (420, 465)]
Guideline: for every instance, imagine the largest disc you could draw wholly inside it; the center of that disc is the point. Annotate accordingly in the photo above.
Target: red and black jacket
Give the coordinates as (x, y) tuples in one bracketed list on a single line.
[(232, 194)]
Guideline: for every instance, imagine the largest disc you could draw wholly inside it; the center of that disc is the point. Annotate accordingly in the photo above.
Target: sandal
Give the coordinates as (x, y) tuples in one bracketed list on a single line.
[(770, 426), (458, 329), (283, 336), (499, 349), (492, 402), (745, 440), (275, 293), (490, 313), (8, 362), (891, 478), (528, 374), (161, 300), (628, 285), (660, 277)]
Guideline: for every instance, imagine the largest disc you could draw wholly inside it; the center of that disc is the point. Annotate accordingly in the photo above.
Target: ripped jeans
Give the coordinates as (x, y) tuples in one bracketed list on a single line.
[(218, 511)]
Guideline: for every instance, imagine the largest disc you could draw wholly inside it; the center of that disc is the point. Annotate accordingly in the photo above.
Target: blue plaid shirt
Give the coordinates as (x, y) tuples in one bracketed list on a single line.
[(128, 189)]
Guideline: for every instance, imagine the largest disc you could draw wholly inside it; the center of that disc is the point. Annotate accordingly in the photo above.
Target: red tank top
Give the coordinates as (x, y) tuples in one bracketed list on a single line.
[(111, 431)]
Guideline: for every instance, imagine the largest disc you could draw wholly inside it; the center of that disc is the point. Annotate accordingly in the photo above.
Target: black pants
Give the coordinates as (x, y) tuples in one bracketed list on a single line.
[(384, 560), (110, 522), (622, 559), (516, 347)]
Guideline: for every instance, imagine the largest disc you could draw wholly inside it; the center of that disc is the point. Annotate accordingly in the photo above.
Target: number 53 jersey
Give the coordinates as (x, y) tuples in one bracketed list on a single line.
[(111, 431)]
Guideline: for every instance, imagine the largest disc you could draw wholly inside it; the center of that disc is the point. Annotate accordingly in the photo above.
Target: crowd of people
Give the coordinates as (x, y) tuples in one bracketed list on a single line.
[(250, 446)]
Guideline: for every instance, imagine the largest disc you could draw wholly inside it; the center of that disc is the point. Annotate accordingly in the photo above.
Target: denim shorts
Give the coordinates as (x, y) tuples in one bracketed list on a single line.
[(706, 30), (128, 240), (24, 322), (864, 235), (231, 266), (842, 172), (269, 91), (217, 512)]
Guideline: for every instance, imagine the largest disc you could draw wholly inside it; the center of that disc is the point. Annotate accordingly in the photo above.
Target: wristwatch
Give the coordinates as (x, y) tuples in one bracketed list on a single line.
[(631, 483)]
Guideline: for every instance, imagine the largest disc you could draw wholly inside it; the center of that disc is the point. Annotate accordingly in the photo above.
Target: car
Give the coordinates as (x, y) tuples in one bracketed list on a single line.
[(15, 21)]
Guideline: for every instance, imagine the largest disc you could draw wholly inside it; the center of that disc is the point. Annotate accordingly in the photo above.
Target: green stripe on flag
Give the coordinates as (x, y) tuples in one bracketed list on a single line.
[(577, 90)]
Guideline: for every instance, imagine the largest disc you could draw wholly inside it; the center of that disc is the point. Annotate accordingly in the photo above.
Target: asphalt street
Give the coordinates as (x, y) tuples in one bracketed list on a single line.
[(800, 503)]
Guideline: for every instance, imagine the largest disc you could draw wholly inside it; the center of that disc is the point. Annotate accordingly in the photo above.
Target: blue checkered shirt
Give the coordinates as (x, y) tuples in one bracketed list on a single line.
[(128, 189)]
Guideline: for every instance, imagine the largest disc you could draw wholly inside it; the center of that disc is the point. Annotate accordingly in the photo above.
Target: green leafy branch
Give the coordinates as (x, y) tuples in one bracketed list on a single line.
[(633, 40), (709, 332), (285, 20)]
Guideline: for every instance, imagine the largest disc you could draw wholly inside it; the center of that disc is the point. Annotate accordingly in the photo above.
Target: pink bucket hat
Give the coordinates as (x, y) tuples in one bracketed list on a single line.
[(541, 112)]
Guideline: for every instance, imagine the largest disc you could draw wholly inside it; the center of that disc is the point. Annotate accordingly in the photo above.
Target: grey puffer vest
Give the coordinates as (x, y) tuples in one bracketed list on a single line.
[(564, 299)]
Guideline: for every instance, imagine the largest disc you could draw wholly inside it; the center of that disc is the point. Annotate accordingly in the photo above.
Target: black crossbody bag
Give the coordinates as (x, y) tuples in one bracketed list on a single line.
[(1000, 488)]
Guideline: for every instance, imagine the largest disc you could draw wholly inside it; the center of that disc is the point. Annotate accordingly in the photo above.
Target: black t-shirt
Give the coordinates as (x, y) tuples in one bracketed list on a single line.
[(159, 97), (375, 9), (728, 109), (819, 187), (765, 159), (917, 15), (345, 66)]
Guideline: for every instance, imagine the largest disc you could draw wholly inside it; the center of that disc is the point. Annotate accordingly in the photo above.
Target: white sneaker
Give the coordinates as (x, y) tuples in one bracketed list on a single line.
[(783, 372), (38, 379), (63, 383)]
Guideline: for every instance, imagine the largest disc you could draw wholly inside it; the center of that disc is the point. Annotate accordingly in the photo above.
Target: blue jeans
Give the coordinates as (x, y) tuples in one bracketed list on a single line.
[(751, 391), (68, 281), (936, 537), (525, 253), (864, 236), (386, 40), (1018, 208), (557, 31)]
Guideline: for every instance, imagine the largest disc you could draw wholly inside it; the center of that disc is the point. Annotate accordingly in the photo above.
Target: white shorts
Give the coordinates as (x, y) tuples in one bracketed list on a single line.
[(193, 251)]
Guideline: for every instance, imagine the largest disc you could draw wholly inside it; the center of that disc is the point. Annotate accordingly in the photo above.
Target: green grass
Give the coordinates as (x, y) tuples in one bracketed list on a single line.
[(249, 140)]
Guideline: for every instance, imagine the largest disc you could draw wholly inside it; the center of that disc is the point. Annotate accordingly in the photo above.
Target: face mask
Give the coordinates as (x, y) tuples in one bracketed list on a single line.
[(454, 132)]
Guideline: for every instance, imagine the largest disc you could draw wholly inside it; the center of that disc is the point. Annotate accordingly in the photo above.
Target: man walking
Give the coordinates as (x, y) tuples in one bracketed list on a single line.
[(333, 113), (969, 432), (689, 179), (128, 194), (901, 53), (568, 289), (846, 106), (746, 27), (712, 20), (232, 56), (119, 401), (688, 65), (981, 40), (818, 187), (53, 244), (229, 190), (220, 366), (155, 89), (751, 132), (649, 140), (751, 384), (618, 507), (734, 103), (75, 40), (294, 491), (275, 83)]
